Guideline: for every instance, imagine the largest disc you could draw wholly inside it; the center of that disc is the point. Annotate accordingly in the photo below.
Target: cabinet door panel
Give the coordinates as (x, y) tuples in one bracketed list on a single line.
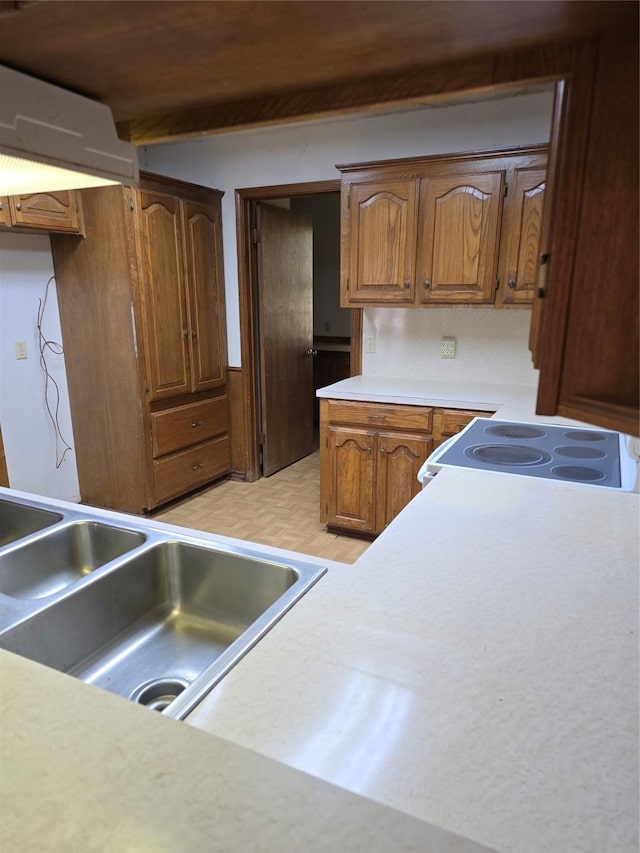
[(52, 210), (399, 460), (521, 230), (164, 303), (206, 296), (382, 234), (458, 244), (5, 219), (351, 478)]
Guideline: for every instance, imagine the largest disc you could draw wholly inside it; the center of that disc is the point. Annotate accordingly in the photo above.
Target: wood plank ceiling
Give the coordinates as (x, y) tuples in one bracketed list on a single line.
[(185, 67)]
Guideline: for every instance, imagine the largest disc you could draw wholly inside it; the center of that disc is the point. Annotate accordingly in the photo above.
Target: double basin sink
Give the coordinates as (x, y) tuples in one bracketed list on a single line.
[(131, 607)]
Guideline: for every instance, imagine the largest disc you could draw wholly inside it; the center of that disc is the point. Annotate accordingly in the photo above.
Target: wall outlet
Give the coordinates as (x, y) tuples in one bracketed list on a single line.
[(21, 349), (370, 343), (448, 348)]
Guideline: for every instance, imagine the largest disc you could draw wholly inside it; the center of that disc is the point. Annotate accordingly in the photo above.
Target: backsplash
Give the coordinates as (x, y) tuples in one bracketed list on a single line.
[(492, 345)]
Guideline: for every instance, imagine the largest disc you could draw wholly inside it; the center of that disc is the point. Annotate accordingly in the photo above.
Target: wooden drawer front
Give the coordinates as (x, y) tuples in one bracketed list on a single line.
[(453, 420), (187, 469), (381, 415), (173, 429)]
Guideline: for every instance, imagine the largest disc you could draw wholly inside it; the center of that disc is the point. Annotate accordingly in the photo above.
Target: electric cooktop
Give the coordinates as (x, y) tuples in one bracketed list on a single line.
[(589, 456)]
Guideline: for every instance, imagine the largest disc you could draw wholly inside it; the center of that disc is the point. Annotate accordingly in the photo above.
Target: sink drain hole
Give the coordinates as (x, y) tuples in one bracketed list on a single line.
[(159, 693)]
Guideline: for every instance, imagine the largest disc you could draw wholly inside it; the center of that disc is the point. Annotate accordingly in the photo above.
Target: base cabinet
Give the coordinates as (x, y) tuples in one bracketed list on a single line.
[(370, 456), (142, 314)]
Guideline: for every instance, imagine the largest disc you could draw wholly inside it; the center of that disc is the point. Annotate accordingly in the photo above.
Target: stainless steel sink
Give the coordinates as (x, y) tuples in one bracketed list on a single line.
[(50, 563), (155, 617), (18, 520)]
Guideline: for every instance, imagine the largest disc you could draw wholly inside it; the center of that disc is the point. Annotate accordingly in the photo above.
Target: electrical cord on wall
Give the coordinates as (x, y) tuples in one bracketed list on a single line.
[(50, 384)]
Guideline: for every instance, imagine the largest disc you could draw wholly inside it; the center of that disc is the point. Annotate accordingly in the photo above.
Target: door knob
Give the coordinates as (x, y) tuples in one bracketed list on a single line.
[(311, 353)]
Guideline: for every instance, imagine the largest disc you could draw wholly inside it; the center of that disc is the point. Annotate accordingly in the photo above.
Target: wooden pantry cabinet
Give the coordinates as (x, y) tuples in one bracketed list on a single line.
[(143, 325), (370, 455), (42, 212), (462, 229)]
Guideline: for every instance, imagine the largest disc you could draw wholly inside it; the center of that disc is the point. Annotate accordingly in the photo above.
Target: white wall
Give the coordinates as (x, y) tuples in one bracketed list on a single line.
[(29, 438), (491, 345), (310, 151)]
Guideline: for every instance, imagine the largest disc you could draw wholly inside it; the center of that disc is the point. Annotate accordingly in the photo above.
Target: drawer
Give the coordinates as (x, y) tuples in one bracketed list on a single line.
[(453, 420), (179, 473), (182, 426), (381, 415)]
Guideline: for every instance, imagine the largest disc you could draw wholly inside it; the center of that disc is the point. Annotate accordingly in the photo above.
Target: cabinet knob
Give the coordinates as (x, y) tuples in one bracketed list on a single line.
[(185, 334), (406, 285), (19, 206), (194, 334), (511, 283), (1, 206), (426, 284), (195, 467), (382, 450), (196, 424)]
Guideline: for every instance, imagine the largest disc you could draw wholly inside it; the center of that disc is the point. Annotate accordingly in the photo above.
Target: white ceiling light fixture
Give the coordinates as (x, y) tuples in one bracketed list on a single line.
[(52, 139)]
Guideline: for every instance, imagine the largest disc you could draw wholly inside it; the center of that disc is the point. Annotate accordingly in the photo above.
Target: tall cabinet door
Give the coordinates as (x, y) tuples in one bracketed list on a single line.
[(521, 230), (399, 460), (382, 235), (458, 244), (163, 295), (207, 327), (351, 478)]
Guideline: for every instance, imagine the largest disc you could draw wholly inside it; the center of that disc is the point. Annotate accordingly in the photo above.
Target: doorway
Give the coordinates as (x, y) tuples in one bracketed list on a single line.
[(281, 372)]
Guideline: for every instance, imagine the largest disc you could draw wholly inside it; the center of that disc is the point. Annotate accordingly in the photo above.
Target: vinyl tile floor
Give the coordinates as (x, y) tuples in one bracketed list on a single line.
[(281, 510)]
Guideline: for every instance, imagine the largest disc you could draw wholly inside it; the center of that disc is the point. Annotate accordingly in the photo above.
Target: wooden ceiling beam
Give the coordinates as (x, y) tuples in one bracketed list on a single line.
[(430, 84)]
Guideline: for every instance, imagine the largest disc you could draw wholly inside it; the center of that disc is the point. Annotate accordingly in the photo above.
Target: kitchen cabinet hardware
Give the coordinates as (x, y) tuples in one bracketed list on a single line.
[(185, 334), (377, 417), (196, 424), (198, 466), (407, 285), (511, 283), (426, 285), (194, 335), (19, 206)]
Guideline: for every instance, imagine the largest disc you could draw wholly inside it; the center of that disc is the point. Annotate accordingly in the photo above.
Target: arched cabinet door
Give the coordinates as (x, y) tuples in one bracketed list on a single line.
[(399, 459), (458, 240), (205, 287), (164, 299), (521, 235), (351, 479), (380, 264)]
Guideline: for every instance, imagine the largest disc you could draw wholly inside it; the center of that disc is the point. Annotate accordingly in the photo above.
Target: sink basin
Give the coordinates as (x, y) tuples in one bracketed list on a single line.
[(48, 564), (165, 625), (18, 520)]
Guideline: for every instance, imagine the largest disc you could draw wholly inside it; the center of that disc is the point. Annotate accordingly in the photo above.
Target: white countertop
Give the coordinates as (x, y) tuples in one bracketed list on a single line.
[(515, 402), (475, 672)]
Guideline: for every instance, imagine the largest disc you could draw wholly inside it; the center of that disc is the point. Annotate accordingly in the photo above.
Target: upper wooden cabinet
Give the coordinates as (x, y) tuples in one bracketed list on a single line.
[(458, 245), (442, 230), (521, 235), (181, 296), (44, 212), (382, 247), (143, 324)]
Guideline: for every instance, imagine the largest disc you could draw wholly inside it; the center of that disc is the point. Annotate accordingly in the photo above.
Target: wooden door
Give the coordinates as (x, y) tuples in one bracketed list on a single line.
[(285, 321), (458, 242), (164, 304), (382, 243), (399, 460), (521, 231), (55, 210), (351, 479), (205, 284)]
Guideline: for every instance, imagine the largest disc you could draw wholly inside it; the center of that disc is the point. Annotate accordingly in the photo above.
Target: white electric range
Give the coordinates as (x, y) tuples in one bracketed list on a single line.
[(572, 454)]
